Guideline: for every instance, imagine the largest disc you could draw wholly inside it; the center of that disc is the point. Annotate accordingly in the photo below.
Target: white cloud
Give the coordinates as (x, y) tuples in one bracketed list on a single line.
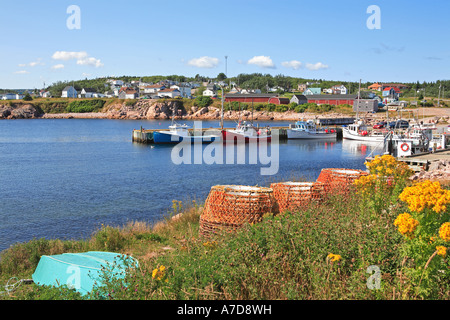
[(21, 72), (69, 55), (294, 64), (58, 66), (32, 64), (81, 56), (316, 66), (204, 62), (90, 61), (262, 61)]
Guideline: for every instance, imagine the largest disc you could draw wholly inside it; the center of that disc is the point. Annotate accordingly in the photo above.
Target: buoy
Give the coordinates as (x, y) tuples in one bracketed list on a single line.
[(404, 147)]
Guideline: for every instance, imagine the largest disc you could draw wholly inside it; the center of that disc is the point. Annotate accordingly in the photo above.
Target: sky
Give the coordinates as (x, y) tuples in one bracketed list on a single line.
[(47, 41)]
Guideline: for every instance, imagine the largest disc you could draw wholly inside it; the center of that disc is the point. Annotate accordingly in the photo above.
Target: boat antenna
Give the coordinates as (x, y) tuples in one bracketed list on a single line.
[(359, 97)]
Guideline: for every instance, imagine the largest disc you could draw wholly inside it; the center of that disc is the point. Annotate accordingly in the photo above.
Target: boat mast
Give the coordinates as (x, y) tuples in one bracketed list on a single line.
[(359, 97), (221, 115)]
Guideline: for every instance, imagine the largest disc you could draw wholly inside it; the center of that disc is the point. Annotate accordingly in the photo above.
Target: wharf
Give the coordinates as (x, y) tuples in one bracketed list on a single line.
[(146, 135), (422, 161)]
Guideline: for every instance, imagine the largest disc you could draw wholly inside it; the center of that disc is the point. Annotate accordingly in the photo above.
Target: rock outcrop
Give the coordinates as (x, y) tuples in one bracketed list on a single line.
[(437, 170), (20, 111)]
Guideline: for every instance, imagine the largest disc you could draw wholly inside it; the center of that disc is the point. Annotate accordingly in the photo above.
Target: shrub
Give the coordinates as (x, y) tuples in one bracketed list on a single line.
[(80, 106), (203, 101)]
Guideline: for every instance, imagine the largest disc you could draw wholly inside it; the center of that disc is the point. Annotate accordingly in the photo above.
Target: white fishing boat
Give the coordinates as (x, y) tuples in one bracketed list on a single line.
[(360, 131), (180, 132), (247, 132), (309, 130)]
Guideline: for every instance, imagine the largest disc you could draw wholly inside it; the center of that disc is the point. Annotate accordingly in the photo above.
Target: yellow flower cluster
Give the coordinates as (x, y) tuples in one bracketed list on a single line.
[(334, 257), (406, 224), (210, 244), (444, 231), (387, 165), (159, 273), (441, 251), (426, 194), (365, 182)]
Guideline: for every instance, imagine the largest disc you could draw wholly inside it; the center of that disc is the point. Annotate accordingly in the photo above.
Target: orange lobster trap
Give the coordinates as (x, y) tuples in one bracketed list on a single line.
[(339, 181), (293, 195), (229, 207)]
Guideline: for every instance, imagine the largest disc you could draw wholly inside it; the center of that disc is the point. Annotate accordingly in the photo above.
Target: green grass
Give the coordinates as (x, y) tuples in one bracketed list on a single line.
[(282, 257)]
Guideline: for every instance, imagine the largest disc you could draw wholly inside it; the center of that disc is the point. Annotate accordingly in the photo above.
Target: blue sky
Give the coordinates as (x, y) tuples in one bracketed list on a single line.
[(309, 39)]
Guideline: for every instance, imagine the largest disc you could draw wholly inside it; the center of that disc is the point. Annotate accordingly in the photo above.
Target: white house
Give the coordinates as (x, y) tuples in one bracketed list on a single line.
[(69, 92), (249, 91), (111, 94), (327, 91), (209, 93), (45, 94), (117, 83), (87, 93), (154, 88), (171, 93), (339, 89), (185, 91), (128, 93), (10, 96)]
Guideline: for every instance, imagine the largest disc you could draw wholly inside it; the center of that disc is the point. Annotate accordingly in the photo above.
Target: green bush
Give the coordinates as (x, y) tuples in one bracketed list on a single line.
[(80, 106), (203, 101)]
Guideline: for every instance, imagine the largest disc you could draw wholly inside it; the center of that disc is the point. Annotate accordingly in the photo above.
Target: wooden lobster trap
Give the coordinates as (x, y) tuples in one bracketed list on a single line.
[(293, 195), (340, 180), (229, 207)]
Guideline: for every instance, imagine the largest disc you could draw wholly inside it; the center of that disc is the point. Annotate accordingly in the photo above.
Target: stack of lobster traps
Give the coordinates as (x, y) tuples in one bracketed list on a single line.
[(229, 207)]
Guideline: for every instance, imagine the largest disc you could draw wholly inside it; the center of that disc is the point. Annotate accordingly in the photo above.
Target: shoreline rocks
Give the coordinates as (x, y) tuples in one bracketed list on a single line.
[(438, 170)]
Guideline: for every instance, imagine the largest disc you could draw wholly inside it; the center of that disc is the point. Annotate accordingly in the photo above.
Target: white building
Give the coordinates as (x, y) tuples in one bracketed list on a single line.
[(87, 93), (154, 88), (339, 89), (10, 96), (171, 93), (209, 93), (128, 93), (69, 92), (117, 83), (185, 91)]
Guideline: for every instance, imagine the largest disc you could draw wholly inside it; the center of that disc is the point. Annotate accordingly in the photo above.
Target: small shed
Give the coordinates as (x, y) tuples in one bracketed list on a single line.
[(365, 105), (278, 100)]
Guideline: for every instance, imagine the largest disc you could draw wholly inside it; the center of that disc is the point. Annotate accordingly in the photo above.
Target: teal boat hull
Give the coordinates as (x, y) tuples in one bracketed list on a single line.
[(80, 271)]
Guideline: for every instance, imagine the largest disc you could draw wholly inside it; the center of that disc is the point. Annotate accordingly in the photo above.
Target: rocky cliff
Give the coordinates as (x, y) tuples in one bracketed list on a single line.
[(150, 109), (22, 111)]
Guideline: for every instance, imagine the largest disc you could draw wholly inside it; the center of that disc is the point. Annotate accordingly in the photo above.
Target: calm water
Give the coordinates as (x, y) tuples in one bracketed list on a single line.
[(64, 178)]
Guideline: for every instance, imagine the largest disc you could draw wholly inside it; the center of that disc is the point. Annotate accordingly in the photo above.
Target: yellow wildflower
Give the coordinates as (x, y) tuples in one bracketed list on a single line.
[(159, 273), (441, 250), (425, 195), (334, 257), (444, 231), (406, 224)]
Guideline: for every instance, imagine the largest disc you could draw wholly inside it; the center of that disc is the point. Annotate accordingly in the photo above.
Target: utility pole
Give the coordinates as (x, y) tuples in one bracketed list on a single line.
[(439, 94)]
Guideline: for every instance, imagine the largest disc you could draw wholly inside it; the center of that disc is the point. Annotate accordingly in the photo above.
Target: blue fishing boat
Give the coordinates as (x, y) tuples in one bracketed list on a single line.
[(179, 132), (80, 271)]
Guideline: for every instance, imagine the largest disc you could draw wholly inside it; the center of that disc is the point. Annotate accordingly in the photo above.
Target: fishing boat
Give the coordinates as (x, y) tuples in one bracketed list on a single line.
[(180, 132), (309, 130), (247, 132), (360, 131)]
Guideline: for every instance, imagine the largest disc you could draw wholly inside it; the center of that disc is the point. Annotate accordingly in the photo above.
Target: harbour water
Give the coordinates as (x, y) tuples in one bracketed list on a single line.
[(64, 178)]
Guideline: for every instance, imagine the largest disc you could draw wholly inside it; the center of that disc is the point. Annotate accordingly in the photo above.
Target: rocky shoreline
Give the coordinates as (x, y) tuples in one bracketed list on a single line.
[(148, 110)]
